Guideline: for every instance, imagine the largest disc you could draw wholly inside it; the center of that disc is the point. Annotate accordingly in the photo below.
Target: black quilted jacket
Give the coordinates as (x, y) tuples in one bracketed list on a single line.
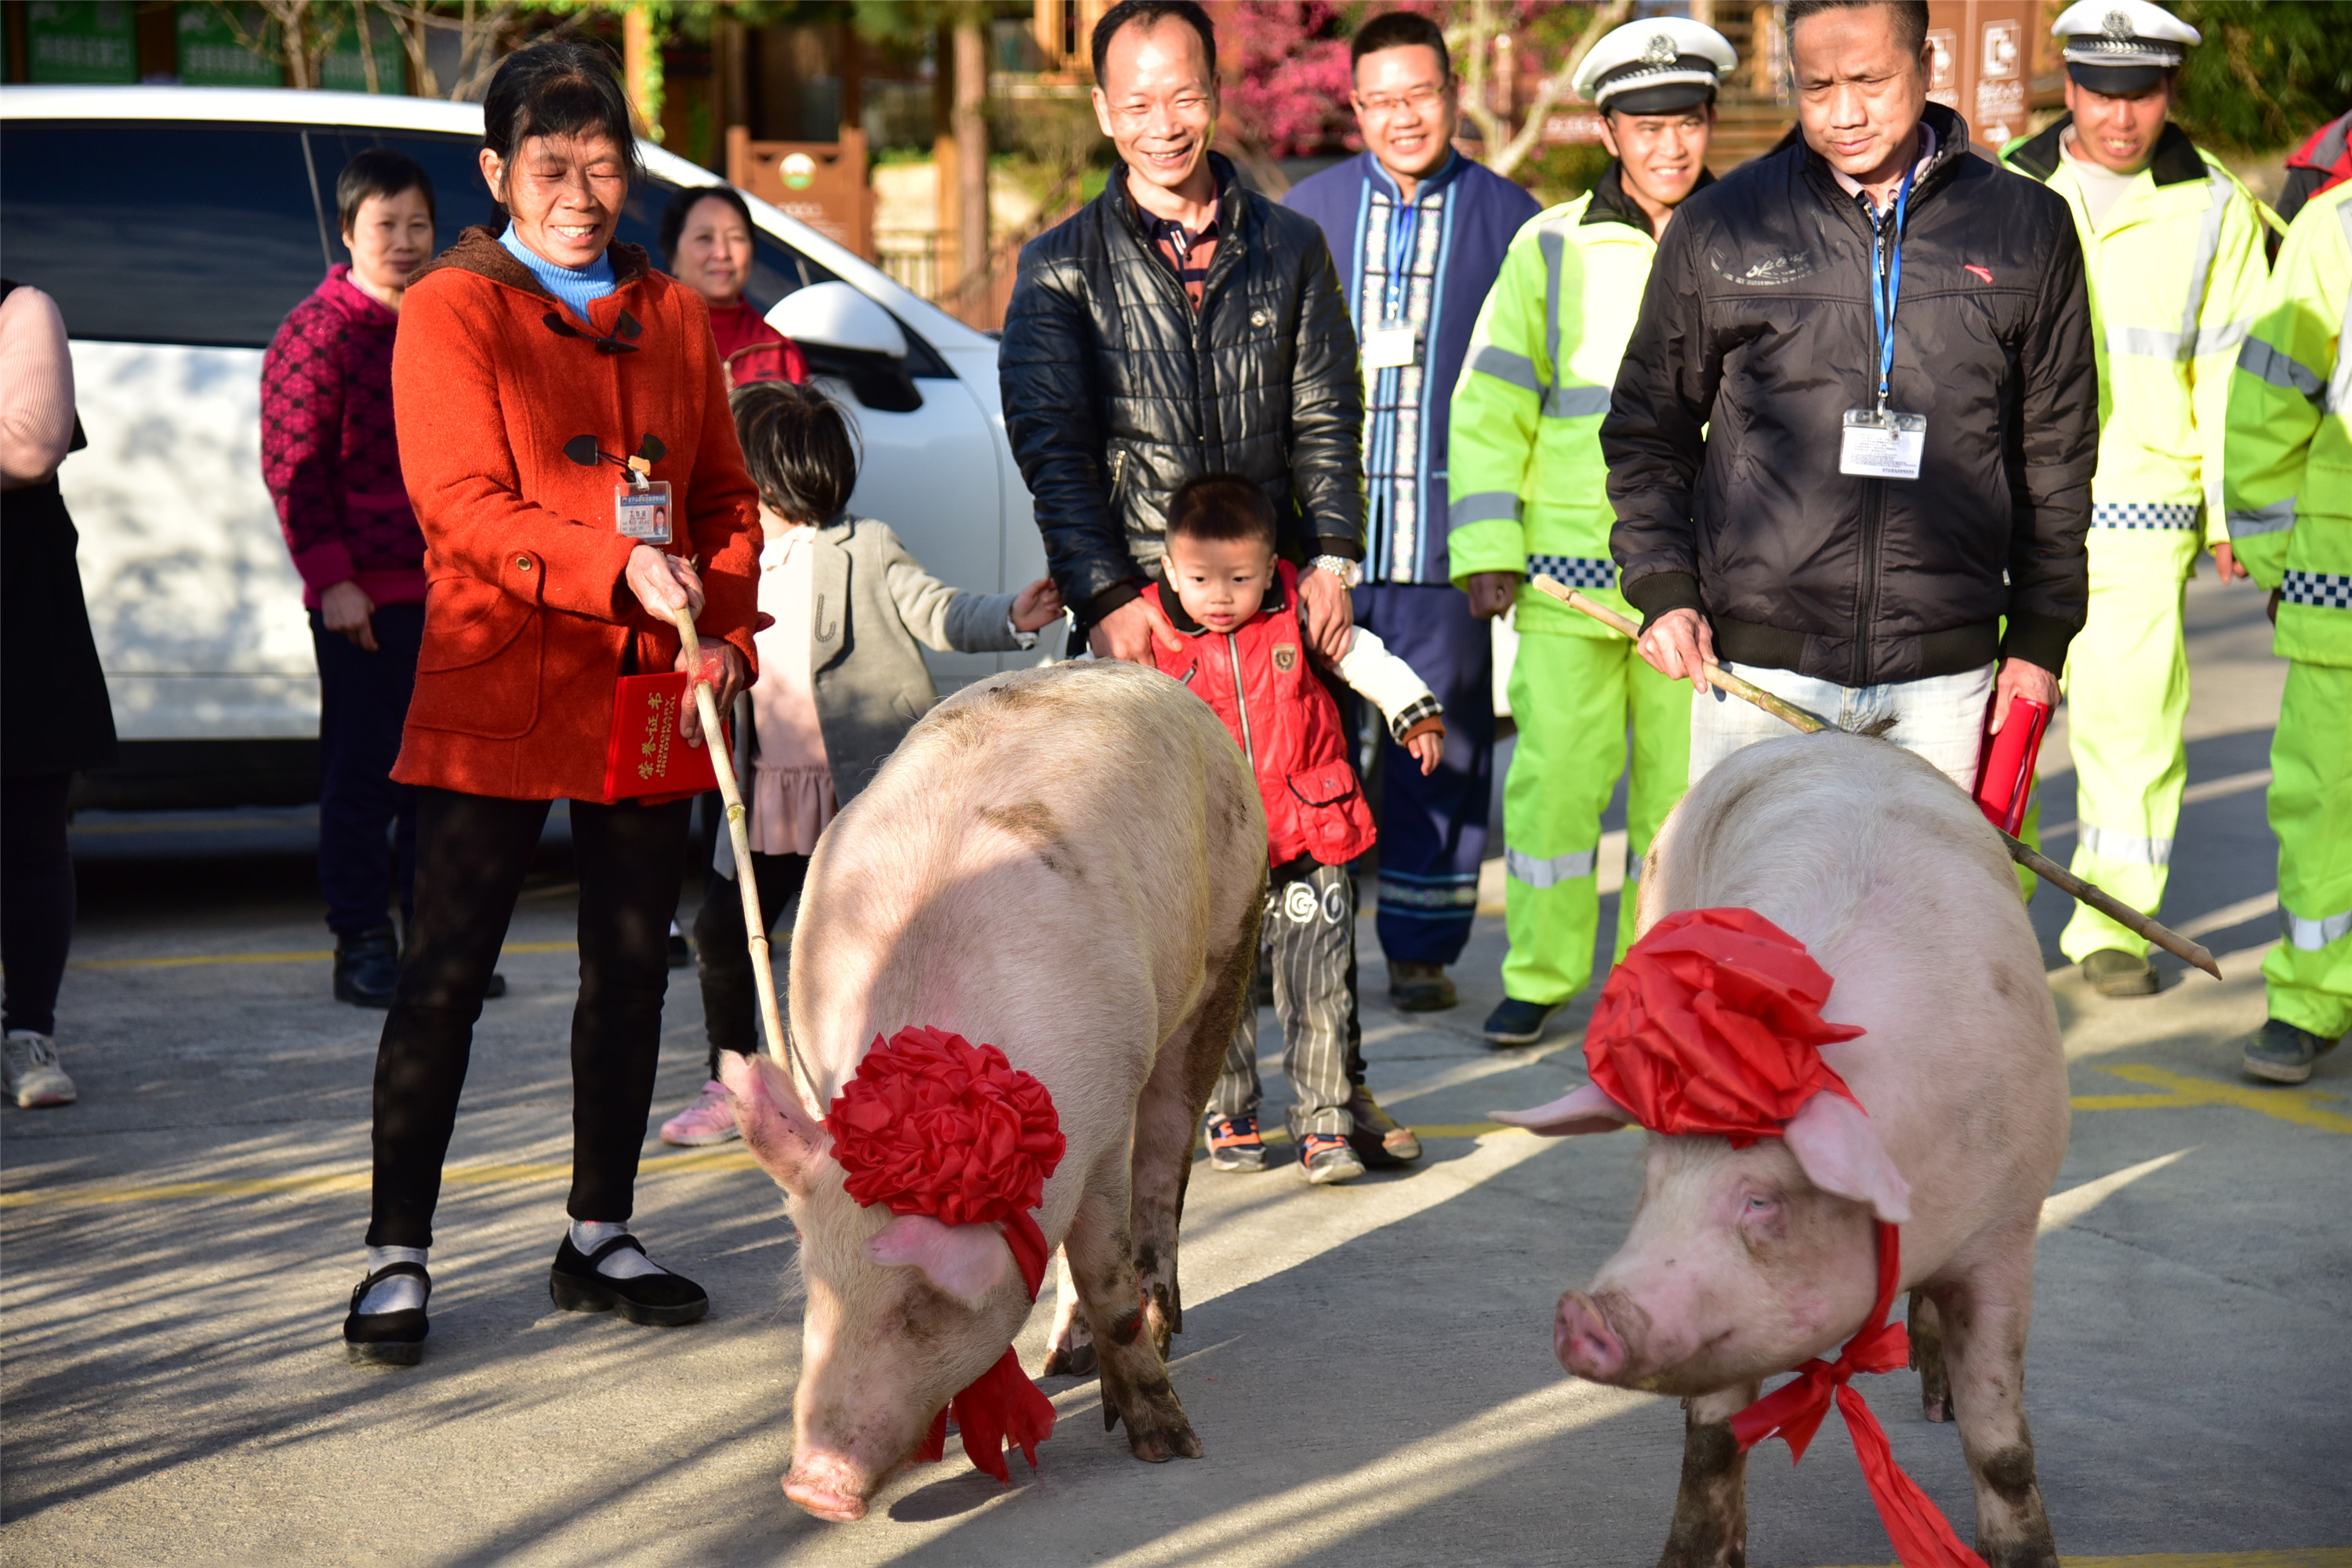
[(1115, 391), (1756, 336)]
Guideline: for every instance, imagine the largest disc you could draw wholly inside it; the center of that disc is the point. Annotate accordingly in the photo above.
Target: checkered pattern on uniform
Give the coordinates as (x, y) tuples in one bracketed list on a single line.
[(2163, 516), (1574, 571), (2320, 590)]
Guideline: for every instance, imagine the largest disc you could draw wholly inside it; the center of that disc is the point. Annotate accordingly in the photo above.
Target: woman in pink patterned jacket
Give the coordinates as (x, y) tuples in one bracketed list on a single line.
[(332, 465)]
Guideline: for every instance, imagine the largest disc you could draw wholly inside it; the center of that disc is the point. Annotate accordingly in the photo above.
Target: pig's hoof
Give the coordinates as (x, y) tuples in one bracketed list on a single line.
[(1935, 1406), (1160, 1446), (1069, 1360)]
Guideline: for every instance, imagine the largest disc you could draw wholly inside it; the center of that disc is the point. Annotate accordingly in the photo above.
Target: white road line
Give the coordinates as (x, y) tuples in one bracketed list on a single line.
[(2063, 1209), (2235, 914)]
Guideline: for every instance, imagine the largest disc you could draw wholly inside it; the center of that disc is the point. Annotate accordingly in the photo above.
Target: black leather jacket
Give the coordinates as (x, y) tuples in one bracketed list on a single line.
[(1756, 336), (1116, 391)]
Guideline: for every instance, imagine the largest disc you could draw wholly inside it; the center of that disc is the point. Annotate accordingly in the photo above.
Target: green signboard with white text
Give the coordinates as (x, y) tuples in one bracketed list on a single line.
[(77, 41)]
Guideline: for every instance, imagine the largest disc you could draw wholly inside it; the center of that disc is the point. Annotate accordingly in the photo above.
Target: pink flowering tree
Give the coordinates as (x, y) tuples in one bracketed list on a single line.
[(1284, 65)]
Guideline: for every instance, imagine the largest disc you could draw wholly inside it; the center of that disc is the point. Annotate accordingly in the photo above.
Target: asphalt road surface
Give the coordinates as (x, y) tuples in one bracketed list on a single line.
[(1370, 1367)]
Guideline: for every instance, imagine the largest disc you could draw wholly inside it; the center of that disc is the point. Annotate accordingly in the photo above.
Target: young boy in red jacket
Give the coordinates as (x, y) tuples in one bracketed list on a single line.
[(1235, 608)]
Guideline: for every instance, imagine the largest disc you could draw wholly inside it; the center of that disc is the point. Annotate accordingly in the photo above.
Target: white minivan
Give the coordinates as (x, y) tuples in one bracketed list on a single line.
[(176, 226)]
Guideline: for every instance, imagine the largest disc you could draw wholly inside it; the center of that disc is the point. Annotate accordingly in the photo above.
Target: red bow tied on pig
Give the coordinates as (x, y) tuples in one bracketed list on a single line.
[(1712, 1025), (932, 1124), (1923, 1537)]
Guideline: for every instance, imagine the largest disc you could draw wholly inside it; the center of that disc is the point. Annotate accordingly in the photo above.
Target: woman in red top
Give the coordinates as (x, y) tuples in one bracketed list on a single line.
[(706, 234), (516, 350)]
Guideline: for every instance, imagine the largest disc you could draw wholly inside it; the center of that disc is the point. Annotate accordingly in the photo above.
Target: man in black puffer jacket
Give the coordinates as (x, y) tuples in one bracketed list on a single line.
[(1178, 325), (1744, 530)]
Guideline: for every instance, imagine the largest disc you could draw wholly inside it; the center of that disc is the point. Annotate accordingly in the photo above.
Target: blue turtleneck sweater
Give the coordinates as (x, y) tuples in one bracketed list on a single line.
[(574, 286)]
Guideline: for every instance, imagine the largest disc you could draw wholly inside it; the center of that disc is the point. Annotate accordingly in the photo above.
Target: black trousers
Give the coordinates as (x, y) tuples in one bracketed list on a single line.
[(37, 897), (722, 951), (362, 703), (472, 853)]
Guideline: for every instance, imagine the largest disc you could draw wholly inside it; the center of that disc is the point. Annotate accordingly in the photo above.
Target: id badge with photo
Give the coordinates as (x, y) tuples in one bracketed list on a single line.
[(1883, 445), (1385, 348), (643, 514)]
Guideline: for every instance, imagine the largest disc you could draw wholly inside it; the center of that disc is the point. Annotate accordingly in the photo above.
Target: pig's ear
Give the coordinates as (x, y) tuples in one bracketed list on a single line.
[(967, 1261), (783, 1139), (1586, 1110), (1837, 1145)]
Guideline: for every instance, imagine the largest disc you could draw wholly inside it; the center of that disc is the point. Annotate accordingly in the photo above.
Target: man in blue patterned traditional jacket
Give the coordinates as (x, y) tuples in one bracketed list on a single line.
[(1419, 232)]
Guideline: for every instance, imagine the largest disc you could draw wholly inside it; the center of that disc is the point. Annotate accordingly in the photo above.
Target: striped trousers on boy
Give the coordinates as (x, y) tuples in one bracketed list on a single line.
[(1310, 922)]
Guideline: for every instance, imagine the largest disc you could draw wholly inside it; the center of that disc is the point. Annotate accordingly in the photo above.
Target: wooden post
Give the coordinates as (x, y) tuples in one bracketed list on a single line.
[(972, 142), (944, 152), (637, 66)]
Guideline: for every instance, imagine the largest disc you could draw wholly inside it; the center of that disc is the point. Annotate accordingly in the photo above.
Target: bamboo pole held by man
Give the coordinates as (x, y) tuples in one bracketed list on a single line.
[(2034, 860)]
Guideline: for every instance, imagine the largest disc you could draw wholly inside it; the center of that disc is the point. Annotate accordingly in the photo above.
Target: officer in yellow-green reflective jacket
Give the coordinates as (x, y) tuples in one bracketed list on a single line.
[(1529, 494), (2290, 514), (2172, 248)]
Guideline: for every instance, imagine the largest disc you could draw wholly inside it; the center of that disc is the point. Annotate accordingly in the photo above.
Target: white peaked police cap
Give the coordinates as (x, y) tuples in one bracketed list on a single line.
[(2121, 46), (1654, 66)]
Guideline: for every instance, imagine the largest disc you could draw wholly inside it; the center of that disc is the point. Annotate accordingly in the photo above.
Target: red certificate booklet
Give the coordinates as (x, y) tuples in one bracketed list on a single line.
[(646, 757)]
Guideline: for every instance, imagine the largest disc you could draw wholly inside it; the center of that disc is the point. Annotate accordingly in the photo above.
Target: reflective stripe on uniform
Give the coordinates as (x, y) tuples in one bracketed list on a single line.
[(2311, 935), (2275, 517), (1575, 402), (1486, 506), (1550, 873), (2144, 341), (1554, 246), (1574, 571), (2124, 849), (2339, 385), (2208, 245), (1519, 370), (2259, 358), (2156, 515)]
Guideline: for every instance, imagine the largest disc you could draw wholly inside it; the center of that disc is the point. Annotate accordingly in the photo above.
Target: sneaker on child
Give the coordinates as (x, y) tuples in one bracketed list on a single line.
[(29, 1066), (709, 1119), (1234, 1144)]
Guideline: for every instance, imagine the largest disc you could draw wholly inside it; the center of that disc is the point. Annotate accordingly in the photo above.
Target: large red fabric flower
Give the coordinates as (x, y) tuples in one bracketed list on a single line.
[(1713, 1025), (934, 1124)]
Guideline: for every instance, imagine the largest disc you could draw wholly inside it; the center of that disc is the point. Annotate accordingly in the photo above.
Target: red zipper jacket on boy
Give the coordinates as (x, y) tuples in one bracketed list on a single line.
[(1259, 680)]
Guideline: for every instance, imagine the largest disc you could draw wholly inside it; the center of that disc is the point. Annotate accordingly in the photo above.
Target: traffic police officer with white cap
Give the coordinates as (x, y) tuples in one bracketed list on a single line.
[(2173, 248), (1528, 487)]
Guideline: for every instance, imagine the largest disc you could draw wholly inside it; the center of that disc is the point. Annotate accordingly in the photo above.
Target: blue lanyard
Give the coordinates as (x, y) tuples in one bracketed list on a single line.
[(1404, 227), (1882, 298)]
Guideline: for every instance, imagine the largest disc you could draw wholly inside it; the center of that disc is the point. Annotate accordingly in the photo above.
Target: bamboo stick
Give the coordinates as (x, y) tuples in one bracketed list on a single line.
[(2041, 865), (739, 835)]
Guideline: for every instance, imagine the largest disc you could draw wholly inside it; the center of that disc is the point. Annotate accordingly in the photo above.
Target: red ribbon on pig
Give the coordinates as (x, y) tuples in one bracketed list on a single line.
[(932, 1124), (1712, 1025), (1923, 1537)]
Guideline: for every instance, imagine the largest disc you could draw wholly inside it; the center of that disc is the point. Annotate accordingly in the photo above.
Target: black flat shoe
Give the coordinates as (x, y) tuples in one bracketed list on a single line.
[(665, 1300), (386, 1338)]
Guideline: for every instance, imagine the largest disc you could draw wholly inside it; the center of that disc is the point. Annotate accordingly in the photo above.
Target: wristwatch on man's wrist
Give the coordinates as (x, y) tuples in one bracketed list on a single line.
[(1023, 640), (1349, 573)]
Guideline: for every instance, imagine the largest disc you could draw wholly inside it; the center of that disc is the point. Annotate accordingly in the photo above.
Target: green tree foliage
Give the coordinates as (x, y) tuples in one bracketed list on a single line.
[(2268, 73)]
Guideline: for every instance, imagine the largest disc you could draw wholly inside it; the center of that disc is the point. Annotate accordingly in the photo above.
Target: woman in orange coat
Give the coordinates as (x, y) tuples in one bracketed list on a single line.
[(512, 348)]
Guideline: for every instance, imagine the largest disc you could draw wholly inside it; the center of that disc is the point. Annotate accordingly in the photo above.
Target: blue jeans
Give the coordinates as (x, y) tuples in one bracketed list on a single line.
[(362, 704)]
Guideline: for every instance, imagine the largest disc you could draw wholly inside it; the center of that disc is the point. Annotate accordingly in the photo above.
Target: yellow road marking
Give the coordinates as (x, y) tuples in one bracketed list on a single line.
[(2285, 1104), (319, 956)]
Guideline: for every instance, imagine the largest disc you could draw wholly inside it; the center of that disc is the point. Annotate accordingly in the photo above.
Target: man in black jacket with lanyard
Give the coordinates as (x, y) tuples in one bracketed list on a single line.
[(1851, 446), (1179, 325)]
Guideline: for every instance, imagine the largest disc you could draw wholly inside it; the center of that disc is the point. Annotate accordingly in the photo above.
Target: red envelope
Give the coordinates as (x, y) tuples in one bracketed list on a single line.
[(647, 757)]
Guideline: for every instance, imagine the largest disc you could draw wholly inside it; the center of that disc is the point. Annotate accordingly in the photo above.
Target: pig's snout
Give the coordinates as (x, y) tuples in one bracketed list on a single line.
[(1585, 1342), (828, 1485)]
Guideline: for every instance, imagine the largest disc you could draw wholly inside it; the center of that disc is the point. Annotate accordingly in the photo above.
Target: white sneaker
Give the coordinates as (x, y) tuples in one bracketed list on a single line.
[(29, 1071)]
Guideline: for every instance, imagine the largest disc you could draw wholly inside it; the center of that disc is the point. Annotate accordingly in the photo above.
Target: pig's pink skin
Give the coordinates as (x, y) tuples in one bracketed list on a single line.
[(1737, 1267), (983, 884)]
